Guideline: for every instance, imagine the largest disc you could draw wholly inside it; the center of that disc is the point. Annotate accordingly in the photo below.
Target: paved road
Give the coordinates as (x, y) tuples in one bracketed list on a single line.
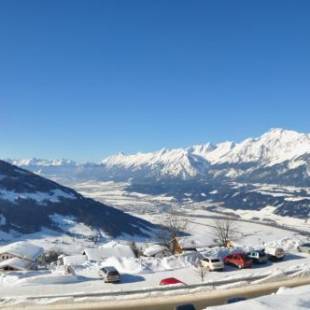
[(200, 300)]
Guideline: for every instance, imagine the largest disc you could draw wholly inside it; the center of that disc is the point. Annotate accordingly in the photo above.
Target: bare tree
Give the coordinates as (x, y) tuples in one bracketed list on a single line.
[(174, 225), (201, 272), (225, 231)]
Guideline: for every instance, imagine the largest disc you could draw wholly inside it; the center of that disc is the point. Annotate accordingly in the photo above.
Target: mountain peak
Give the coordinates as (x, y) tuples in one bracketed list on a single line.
[(276, 133)]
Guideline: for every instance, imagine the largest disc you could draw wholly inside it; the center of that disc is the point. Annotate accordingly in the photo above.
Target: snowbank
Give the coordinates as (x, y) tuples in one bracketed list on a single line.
[(288, 299)]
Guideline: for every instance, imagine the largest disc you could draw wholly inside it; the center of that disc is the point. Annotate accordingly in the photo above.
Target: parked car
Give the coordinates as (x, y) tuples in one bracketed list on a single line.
[(258, 257), (235, 299), (109, 274), (305, 247), (185, 307), (170, 281), (212, 263), (274, 253), (239, 260)]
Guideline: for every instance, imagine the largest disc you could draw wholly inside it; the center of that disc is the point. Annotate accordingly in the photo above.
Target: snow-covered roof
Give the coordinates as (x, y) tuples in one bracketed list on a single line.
[(23, 250), (74, 260), (154, 249), (111, 249), (16, 263)]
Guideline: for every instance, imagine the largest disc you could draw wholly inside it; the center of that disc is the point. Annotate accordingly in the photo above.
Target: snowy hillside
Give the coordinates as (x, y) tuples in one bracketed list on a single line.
[(30, 203)]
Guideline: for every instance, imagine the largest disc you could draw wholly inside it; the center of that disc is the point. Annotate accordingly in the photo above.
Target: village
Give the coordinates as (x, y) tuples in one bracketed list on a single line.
[(183, 254), (115, 261)]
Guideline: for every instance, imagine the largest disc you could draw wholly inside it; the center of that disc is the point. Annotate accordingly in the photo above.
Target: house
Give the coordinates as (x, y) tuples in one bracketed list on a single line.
[(156, 250), (15, 264), (19, 256), (110, 249)]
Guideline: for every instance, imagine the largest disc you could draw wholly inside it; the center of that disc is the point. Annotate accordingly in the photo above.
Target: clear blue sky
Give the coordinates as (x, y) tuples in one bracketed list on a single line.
[(85, 79)]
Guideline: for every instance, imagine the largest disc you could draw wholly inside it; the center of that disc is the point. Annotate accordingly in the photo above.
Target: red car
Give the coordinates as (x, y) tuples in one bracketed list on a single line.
[(239, 260), (170, 281)]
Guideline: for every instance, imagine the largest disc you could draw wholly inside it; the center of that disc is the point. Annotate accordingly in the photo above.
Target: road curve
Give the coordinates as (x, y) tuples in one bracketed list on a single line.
[(201, 300)]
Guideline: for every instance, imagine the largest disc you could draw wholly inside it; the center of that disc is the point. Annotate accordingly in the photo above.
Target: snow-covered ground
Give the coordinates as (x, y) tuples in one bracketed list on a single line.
[(286, 298), (137, 275), (253, 231), (115, 194), (146, 273)]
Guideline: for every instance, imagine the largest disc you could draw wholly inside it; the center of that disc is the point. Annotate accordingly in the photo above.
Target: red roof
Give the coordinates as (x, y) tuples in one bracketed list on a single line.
[(170, 281)]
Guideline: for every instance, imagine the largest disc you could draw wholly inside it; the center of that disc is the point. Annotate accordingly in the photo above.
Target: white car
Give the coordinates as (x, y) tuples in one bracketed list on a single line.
[(212, 263), (274, 253)]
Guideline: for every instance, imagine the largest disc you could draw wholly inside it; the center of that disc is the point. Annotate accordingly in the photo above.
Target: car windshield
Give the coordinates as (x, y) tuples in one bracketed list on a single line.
[(215, 260)]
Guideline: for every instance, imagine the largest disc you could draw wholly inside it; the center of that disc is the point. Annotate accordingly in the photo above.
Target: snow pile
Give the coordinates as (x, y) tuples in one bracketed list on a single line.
[(285, 298), (125, 265), (110, 249), (170, 262), (287, 244), (74, 260), (148, 264), (49, 279), (154, 250)]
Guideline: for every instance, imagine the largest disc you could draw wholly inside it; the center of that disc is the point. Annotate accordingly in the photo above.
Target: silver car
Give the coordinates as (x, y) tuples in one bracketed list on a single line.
[(109, 274), (212, 263)]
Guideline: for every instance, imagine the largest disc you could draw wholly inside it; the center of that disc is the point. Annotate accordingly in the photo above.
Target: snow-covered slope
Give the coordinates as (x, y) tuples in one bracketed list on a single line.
[(29, 203), (274, 147), (174, 163)]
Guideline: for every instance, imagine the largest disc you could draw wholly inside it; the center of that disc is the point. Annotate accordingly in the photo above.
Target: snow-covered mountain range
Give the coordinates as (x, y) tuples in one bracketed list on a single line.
[(278, 156), (30, 203), (271, 170)]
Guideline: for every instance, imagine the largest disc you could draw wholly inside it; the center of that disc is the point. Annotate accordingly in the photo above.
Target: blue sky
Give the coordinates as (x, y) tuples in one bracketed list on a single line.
[(85, 79)]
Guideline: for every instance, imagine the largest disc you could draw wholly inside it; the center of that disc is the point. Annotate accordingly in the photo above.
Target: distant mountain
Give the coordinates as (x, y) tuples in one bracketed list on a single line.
[(278, 157), (29, 203)]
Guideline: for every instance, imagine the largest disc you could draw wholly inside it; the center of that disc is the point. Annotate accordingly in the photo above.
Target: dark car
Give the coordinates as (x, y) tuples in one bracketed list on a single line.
[(235, 299), (185, 307), (109, 274), (258, 257), (305, 247)]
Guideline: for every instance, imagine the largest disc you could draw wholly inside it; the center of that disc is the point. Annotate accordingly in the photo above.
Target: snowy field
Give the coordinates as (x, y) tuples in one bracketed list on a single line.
[(115, 194)]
